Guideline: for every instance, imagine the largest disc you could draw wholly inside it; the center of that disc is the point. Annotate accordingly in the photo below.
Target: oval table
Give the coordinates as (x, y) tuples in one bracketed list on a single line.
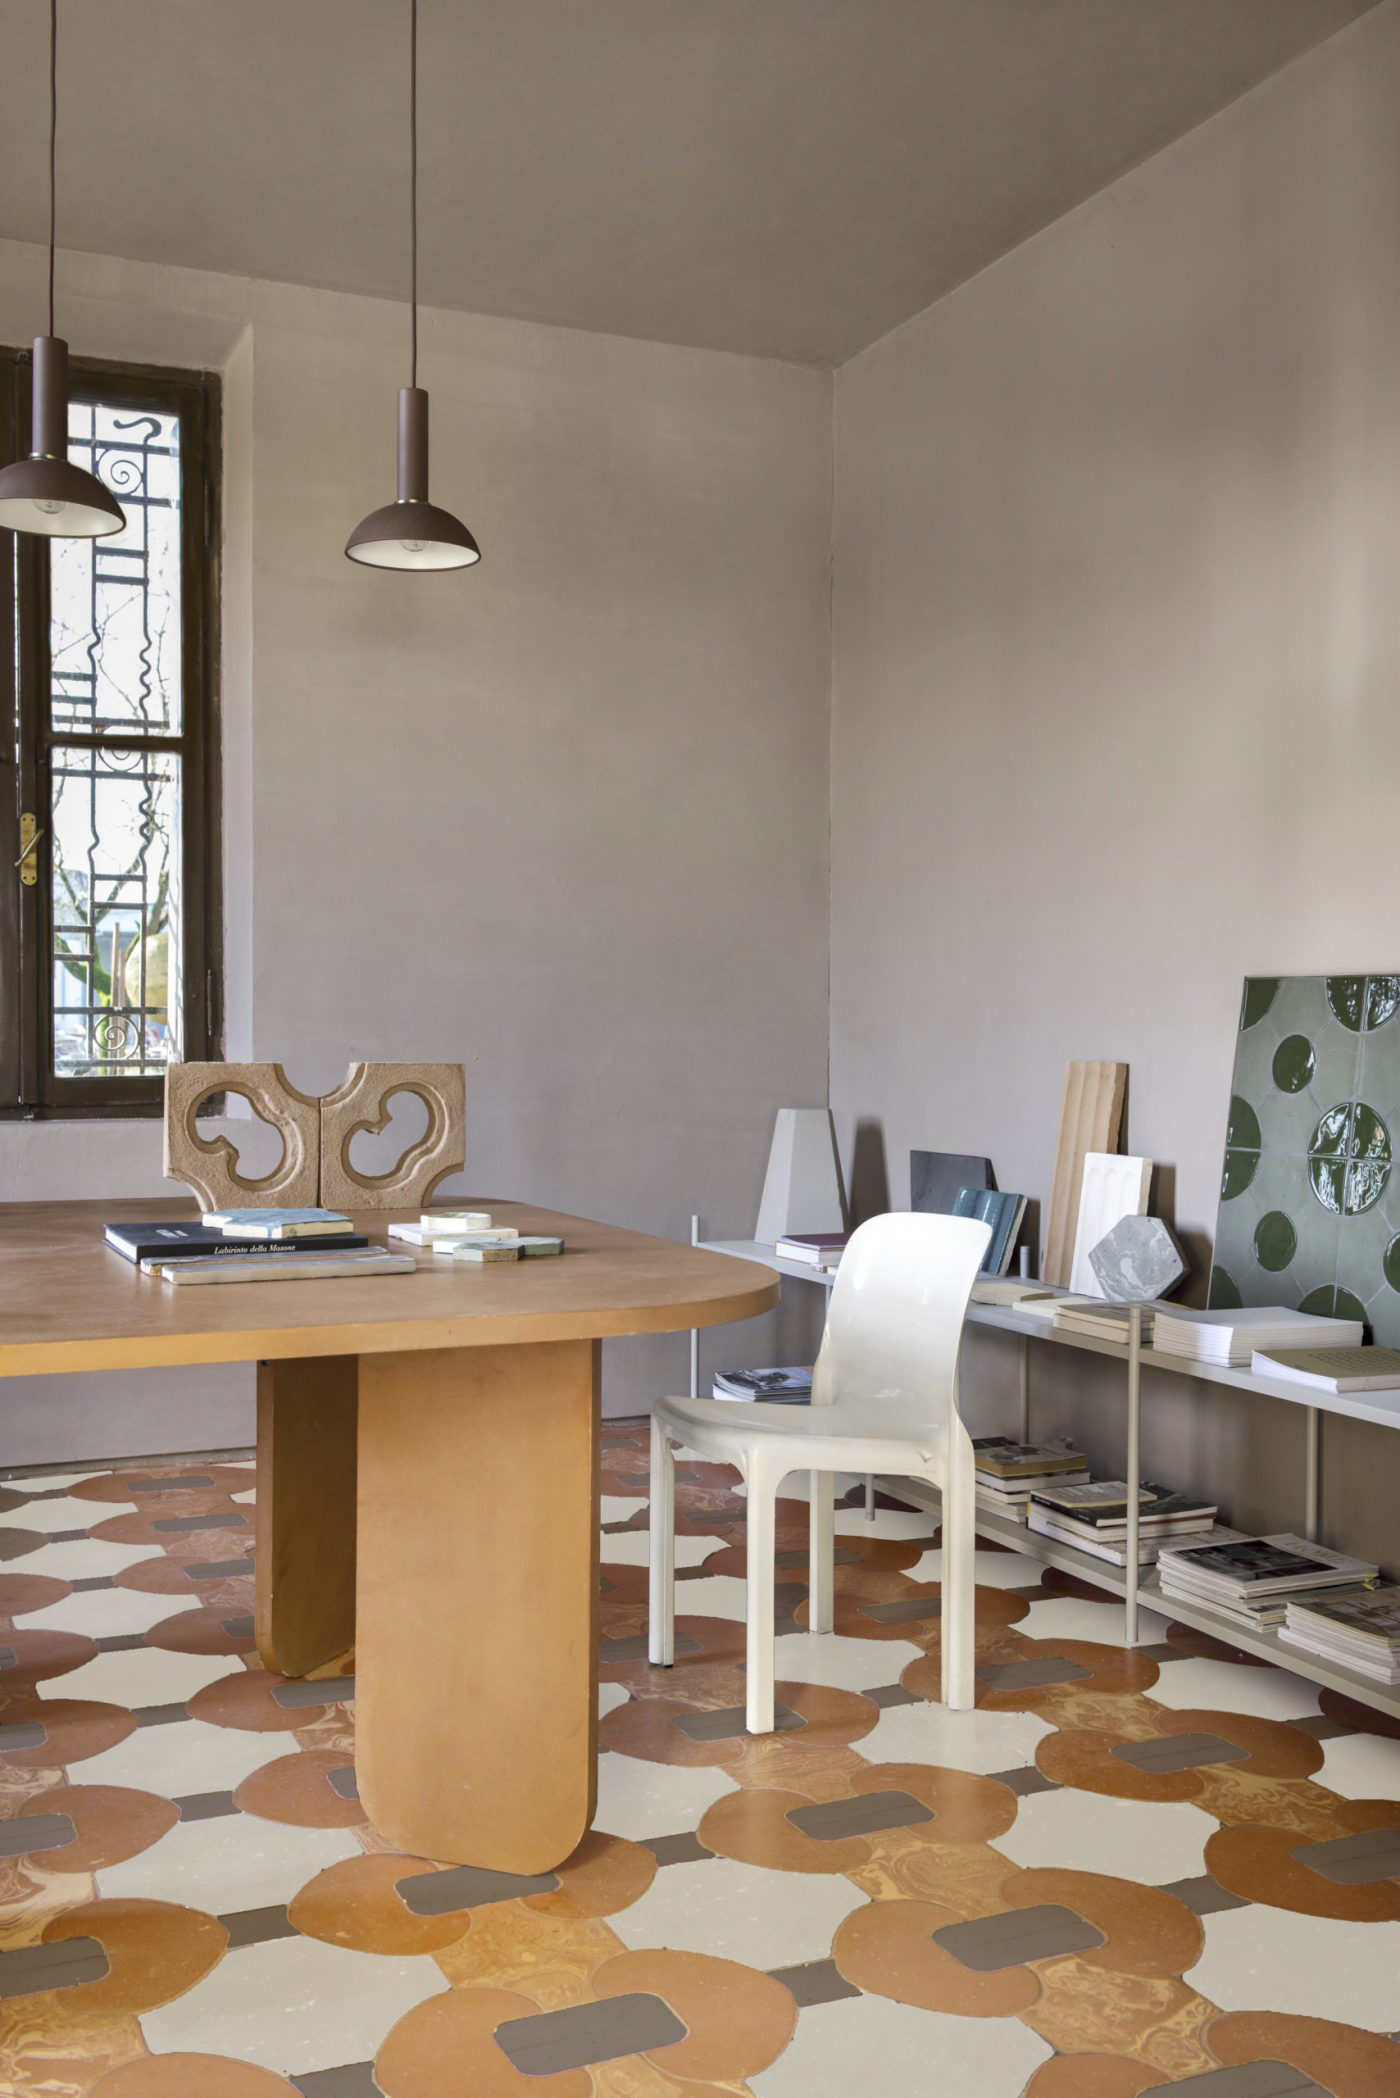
[(427, 1484)]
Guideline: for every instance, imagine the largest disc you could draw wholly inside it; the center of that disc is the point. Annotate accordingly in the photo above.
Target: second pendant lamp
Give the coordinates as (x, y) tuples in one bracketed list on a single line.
[(412, 532)]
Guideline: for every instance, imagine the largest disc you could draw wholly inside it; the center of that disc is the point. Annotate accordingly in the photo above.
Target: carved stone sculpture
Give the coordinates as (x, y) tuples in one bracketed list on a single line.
[(362, 1102), (209, 1165)]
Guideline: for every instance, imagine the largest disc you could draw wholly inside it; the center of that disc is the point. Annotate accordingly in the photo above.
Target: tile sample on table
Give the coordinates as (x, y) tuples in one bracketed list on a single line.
[(1309, 1203), (1089, 1121), (1110, 1189)]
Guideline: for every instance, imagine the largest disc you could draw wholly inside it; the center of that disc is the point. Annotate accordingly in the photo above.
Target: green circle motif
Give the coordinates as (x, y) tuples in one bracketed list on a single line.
[(1275, 1241), (1329, 1303), (1347, 997), (1349, 1158), (1224, 1292), (1391, 1262), (1259, 994), (1382, 1000), (1294, 1063), (1242, 1132), (1240, 1169)]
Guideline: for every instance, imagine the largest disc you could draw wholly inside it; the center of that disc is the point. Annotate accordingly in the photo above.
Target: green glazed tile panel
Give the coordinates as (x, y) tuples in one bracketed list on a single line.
[(1310, 1182)]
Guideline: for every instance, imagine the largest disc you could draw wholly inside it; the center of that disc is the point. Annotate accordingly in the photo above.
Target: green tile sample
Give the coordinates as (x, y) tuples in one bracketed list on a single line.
[(1310, 1185)]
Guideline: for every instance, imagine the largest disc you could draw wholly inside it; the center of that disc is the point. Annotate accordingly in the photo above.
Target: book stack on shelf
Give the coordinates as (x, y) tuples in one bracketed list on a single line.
[(1231, 1338), (1360, 1628), (771, 1387), (1009, 1472), (1252, 1580), (1331, 1369), (1095, 1518), (1101, 1321), (813, 1249)]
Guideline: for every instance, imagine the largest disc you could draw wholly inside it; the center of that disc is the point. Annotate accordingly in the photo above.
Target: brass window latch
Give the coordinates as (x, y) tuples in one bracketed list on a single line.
[(29, 836)]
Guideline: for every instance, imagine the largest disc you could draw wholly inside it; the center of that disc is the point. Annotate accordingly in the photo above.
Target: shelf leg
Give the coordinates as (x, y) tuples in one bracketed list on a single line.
[(1025, 1344), (1132, 1570), (1312, 1488), (694, 1335)]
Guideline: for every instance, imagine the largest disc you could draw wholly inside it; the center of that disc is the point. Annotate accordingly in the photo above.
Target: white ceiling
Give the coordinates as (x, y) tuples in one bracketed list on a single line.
[(786, 177)]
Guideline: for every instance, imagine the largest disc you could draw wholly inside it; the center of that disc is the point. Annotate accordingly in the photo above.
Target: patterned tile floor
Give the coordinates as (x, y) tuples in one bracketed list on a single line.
[(1123, 1871)]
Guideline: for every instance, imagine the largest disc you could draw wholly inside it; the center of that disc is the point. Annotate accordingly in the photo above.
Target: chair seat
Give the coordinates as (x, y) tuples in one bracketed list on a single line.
[(849, 1437)]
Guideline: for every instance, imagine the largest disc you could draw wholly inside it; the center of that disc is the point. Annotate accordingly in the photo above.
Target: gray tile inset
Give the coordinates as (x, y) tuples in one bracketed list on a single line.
[(219, 1569), (159, 1715), (1320, 1726), (1161, 1652), (324, 1690), (906, 1612), (86, 1586), (842, 1556), (121, 1642), (1205, 1896), (62, 1966), (1178, 1752), (63, 1537), (205, 1806), (1032, 1675), (182, 1482), (819, 1981), (355, 2080), (686, 1849), (832, 1819), (990, 1943), (257, 1926), (636, 1521), (200, 1522), (1024, 1782), (1354, 1861), (29, 1832), (8, 1657), (634, 1647), (693, 1573), (725, 1725), (552, 2041), (237, 1627), (17, 1734), (1253, 2080), (605, 1586), (467, 1887), (343, 1782), (889, 1694), (705, 1516)]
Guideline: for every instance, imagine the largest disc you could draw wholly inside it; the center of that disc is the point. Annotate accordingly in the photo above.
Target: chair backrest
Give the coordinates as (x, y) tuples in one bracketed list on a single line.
[(894, 1329)]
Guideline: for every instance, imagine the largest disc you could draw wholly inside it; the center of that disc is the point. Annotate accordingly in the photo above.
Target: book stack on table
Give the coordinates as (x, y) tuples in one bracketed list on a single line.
[(1009, 1472), (1095, 1518), (256, 1245), (1358, 1627), (469, 1235), (1251, 1581)]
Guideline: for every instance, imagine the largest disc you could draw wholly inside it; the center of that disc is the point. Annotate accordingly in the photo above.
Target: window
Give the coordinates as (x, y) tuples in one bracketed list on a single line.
[(109, 860)]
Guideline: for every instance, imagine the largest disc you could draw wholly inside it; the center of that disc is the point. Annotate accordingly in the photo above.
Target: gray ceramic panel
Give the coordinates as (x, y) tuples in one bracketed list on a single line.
[(1205, 1896), (907, 1612), (818, 1981), (1025, 1782), (34, 1832), (200, 1522), (468, 1887), (1321, 1727), (355, 2080), (219, 1569), (237, 1627), (936, 1176), (160, 1715), (634, 1647), (62, 1966), (832, 1819), (724, 1726), (686, 1849), (1179, 1752), (329, 1690), (121, 1642), (1354, 1861), (1032, 1675), (185, 1483), (92, 1581), (887, 1694), (343, 1782), (18, 1734), (8, 1657), (554, 2041), (990, 1943), (205, 1806), (257, 1926)]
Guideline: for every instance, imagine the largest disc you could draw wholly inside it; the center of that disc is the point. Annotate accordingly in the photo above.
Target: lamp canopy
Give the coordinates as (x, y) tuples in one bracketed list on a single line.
[(45, 493)]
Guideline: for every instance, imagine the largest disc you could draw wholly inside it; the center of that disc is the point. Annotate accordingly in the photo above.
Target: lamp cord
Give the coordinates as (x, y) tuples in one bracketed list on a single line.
[(413, 184), (53, 134)]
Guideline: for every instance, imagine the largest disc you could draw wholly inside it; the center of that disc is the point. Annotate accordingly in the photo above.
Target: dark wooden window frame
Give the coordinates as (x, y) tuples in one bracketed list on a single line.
[(29, 1089)]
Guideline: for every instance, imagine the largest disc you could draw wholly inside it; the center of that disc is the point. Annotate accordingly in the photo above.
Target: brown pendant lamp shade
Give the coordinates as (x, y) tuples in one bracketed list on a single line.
[(413, 532), (45, 493)]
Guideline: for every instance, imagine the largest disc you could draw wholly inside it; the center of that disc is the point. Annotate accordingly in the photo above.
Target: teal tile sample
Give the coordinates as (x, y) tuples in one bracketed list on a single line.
[(1310, 1187)]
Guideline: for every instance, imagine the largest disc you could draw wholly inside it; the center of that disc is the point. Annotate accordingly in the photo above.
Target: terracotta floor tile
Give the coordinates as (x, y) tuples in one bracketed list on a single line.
[(191, 2076), (355, 1905), (298, 1789), (1348, 2062)]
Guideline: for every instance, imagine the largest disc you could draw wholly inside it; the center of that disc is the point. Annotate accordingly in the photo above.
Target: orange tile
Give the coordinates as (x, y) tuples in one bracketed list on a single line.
[(354, 1904), (448, 2044), (76, 1728), (191, 2076), (40, 1657), (1344, 2060), (737, 2020), (888, 1949), (155, 1951), (1146, 1931), (109, 1823), (201, 1632), (604, 1874), (296, 1789), (1094, 2076), (20, 1593), (245, 1700), (752, 1826), (1255, 1862)]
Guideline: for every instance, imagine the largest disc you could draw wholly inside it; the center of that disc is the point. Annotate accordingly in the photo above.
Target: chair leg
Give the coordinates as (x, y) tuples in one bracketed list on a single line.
[(762, 1525), (821, 1605), (870, 1497), (959, 1588), (661, 1551)]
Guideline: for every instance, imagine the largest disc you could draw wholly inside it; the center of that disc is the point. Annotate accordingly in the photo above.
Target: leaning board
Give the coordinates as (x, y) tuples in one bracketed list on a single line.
[(1089, 1121)]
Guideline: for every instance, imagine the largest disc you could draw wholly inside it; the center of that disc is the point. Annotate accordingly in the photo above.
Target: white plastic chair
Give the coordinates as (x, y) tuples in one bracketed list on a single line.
[(884, 1398)]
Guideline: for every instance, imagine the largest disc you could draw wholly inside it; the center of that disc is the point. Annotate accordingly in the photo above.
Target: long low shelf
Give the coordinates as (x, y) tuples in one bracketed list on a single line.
[(1379, 1407)]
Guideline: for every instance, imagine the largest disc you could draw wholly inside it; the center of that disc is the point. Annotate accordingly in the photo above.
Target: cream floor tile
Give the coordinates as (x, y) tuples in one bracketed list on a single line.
[(619, 1508), (246, 1497), (1263, 1959), (1223, 1686), (187, 1756), (1361, 1766), (294, 2005), (638, 1800), (1153, 1842), (84, 1560), (739, 1912), (720, 1595), (234, 1861), (868, 2044), (840, 1662), (610, 1696), (106, 1613), (66, 1514), (146, 1675), (630, 1548), (1070, 1617), (993, 1569), (981, 1742), (46, 1482)]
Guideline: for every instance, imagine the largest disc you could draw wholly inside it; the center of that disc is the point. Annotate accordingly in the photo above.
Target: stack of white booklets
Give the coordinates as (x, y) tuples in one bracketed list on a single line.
[(1102, 1321), (1252, 1581), (1008, 1473), (1229, 1338), (1359, 1628), (469, 1235), (1095, 1519)]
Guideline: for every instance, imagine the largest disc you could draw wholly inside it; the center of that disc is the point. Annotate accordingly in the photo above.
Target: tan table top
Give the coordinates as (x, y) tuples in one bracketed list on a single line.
[(69, 1302)]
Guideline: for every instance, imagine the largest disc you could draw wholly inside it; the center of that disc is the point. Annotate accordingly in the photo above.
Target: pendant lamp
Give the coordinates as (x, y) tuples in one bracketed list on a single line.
[(45, 493), (412, 532)]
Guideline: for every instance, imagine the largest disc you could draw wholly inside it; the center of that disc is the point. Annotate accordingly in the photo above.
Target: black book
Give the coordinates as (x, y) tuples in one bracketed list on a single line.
[(171, 1241)]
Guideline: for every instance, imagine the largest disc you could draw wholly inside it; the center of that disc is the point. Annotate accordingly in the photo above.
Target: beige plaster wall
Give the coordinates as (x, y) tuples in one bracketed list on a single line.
[(563, 819), (1115, 715)]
